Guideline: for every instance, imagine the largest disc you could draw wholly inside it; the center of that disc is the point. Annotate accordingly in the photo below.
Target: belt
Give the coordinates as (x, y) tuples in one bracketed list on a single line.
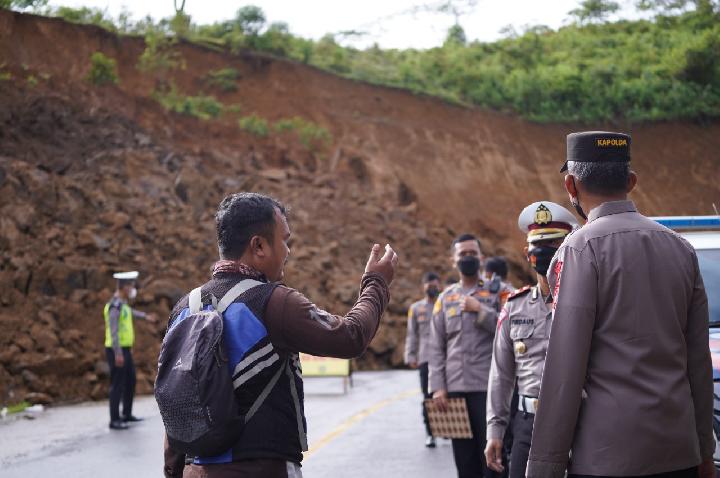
[(528, 404)]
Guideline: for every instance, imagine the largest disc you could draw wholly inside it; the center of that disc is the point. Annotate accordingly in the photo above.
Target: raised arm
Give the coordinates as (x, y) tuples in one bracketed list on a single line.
[(294, 323)]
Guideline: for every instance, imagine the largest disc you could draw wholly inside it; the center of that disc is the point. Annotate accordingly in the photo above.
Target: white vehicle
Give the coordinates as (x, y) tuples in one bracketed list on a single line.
[(703, 232)]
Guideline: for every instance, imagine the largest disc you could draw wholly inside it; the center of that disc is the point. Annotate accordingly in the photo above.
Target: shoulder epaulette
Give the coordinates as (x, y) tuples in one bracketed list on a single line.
[(520, 292)]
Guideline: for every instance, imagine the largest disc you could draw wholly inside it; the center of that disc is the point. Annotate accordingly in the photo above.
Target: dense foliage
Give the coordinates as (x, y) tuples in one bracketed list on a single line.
[(591, 70), (103, 70)]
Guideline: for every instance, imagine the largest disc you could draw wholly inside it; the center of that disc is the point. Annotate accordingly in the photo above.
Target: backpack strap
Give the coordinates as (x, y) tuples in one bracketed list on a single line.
[(266, 391), (195, 300), (298, 408), (195, 297), (237, 290)]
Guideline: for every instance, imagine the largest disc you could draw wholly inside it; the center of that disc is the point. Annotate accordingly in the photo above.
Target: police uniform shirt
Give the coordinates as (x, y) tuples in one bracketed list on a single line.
[(627, 385), (518, 352), (461, 342), (418, 331)]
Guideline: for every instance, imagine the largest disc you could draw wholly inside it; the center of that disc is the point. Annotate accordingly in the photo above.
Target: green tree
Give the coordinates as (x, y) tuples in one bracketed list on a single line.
[(456, 36), (671, 6), (22, 4), (159, 55), (250, 19), (181, 25), (594, 10)]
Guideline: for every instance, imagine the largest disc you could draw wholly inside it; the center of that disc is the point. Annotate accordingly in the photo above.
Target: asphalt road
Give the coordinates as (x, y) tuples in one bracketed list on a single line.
[(373, 430)]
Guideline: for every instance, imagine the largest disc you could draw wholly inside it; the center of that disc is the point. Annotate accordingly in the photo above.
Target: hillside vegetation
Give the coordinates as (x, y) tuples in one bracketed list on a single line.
[(592, 70)]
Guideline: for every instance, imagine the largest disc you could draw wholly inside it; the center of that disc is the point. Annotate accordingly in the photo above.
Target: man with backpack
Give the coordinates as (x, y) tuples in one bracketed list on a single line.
[(263, 327)]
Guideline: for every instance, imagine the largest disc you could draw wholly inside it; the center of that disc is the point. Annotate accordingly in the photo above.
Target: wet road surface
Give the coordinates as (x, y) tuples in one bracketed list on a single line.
[(373, 430)]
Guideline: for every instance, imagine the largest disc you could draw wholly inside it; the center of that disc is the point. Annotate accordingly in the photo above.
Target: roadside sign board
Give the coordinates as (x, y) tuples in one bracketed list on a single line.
[(313, 366)]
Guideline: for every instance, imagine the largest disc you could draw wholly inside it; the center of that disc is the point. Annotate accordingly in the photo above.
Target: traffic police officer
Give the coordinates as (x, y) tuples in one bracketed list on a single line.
[(416, 342), (521, 340), (627, 388), (119, 339), (461, 336)]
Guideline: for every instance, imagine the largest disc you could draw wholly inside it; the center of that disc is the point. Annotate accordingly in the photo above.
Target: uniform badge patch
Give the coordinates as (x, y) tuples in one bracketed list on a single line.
[(438, 307), (556, 289), (454, 297)]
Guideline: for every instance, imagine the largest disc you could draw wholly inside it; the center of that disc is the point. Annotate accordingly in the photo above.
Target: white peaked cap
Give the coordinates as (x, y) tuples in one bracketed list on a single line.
[(130, 275), (544, 220)]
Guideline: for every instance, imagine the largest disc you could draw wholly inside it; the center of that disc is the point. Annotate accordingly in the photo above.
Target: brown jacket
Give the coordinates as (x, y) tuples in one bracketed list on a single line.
[(627, 385), (295, 324)]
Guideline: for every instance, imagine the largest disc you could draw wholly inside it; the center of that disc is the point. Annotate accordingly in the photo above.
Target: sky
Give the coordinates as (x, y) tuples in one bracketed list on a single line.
[(389, 23)]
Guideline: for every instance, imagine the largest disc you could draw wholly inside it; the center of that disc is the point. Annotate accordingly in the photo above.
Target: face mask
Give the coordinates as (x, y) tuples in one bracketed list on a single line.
[(540, 258), (577, 207), (469, 266), (576, 204), (432, 292), (132, 294)]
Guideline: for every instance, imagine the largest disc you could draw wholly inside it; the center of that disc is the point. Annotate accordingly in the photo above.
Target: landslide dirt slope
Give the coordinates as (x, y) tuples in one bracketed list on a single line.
[(98, 179)]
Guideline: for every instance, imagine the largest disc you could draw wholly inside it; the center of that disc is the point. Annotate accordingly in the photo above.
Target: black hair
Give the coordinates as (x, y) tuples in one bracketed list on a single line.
[(430, 276), (498, 266), (463, 238), (241, 216), (603, 178)]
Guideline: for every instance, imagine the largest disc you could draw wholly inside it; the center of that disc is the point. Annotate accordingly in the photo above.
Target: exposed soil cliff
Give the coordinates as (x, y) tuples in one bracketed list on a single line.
[(99, 179)]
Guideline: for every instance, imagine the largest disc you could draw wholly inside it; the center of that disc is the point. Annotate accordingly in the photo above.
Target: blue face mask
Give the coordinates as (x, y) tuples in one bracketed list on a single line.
[(540, 258)]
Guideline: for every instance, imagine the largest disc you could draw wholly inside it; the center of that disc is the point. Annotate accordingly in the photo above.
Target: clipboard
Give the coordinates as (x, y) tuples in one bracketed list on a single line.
[(454, 423)]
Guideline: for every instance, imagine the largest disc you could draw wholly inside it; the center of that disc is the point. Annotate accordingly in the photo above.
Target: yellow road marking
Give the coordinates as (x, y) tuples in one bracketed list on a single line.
[(344, 426)]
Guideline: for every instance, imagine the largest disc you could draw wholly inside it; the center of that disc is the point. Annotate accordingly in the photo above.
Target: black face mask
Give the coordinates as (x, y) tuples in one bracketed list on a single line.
[(540, 258), (432, 292), (469, 266), (576, 204)]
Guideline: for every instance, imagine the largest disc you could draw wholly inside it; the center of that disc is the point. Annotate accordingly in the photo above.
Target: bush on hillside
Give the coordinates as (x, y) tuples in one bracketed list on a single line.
[(225, 79), (311, 135), (254, 124), (103, 70), (202, 107)]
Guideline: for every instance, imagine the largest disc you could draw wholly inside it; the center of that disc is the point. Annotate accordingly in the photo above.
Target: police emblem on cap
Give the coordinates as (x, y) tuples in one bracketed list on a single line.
[(543, 215), (545, 220)]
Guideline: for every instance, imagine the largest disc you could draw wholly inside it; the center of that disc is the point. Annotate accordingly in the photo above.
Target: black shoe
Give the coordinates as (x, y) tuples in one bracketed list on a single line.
[(118, 425), (132, 418), (430, 442)]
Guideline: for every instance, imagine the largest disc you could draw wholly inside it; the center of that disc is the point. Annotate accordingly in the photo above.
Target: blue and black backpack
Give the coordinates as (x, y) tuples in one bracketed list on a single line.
[(208, 353)]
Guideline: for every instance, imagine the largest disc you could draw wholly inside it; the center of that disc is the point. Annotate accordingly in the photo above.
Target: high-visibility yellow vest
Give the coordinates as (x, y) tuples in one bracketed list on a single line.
[(126, 333)]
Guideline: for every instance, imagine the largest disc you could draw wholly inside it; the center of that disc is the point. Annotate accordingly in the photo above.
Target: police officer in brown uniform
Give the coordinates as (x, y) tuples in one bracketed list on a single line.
[(627, 387), (496, 271), (461, 336), (521, 340), (416, 341)]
